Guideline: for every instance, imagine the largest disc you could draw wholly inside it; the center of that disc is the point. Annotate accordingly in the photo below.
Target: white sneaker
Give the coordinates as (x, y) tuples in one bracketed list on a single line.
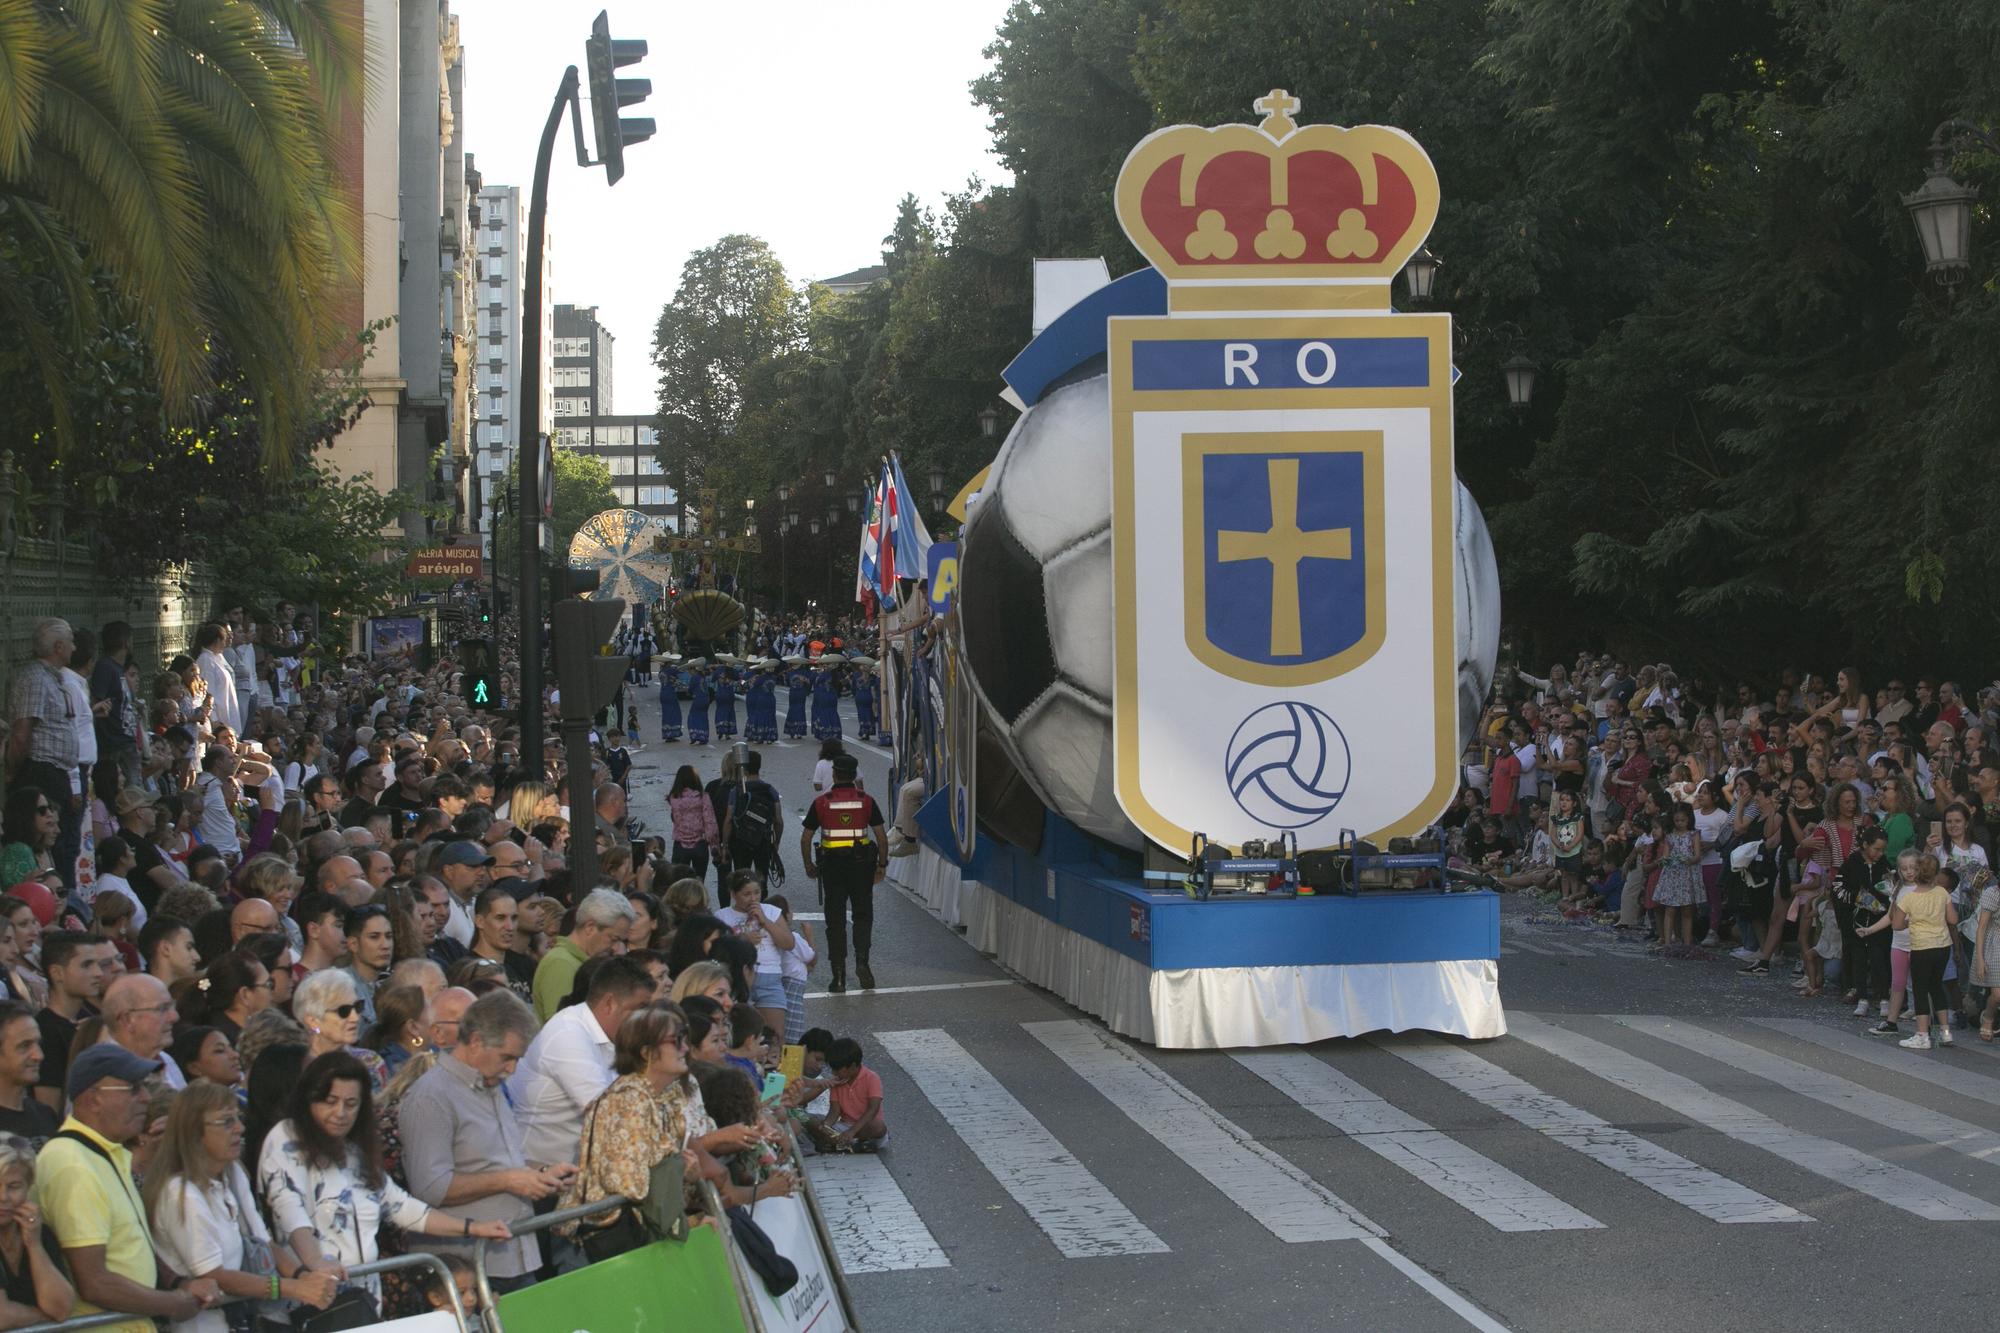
[(1916, 1041), (1882, 1008), (1741, 952), (1861, 1009), (1943, 1034), (1709, 941)]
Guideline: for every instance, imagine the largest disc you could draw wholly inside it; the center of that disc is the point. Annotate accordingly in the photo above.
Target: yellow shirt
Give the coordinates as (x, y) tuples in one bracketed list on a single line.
[(87, 1201), (1925, 908)]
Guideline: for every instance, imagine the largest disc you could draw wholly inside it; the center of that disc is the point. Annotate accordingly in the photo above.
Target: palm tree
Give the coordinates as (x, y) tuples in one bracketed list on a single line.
[(178, 155)]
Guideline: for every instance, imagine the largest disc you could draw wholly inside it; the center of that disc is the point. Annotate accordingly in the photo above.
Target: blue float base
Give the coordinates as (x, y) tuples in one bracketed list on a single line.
[(1245, 969)]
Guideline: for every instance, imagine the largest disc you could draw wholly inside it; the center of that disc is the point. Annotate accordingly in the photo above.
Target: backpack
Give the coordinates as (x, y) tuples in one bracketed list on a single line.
[(753, 811)]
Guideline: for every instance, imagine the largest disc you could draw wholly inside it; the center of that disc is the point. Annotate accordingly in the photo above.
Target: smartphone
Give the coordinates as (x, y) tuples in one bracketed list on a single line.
[(639, 851), (774, 1086)]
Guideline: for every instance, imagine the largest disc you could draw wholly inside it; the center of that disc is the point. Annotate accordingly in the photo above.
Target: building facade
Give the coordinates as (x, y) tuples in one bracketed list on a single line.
[(499, 298), (401, 154), (630, 447), (582, 364)]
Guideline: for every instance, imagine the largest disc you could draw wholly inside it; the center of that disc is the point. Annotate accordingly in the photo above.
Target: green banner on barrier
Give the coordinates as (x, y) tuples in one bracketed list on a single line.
[(666, 1286)]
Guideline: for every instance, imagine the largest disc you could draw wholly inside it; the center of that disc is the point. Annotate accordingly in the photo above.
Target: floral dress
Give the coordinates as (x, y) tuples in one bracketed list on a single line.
[(627, 1131), (342, 1210), (1680, 876)]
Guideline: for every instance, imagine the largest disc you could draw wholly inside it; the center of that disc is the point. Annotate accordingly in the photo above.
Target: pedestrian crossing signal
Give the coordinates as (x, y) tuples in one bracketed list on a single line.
[(477, 678)]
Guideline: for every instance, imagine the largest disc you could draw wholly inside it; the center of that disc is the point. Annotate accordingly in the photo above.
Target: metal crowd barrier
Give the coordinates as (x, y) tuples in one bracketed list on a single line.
[(358, 1270), (711, 1200)]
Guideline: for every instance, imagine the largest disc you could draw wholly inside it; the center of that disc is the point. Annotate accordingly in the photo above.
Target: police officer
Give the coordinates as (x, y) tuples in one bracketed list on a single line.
[(853, 857)]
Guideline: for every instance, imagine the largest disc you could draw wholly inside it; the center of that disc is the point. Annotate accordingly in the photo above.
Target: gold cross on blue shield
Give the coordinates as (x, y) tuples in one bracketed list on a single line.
[(1283, 552)]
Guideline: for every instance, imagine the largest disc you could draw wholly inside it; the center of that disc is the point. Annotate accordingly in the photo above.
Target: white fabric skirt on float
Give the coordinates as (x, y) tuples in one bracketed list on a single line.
[(1214, 1007)]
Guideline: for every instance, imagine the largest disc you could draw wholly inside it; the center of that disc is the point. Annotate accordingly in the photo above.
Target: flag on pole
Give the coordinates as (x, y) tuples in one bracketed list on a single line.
[(867, 575), (907, 541)]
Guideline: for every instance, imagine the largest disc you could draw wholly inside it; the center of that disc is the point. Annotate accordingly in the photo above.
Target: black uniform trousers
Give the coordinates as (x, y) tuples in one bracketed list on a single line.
[(847, 879)]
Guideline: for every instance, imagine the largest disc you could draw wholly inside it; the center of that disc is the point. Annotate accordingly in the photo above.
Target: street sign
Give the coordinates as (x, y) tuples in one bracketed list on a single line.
[(1282, 490), (452, 562)]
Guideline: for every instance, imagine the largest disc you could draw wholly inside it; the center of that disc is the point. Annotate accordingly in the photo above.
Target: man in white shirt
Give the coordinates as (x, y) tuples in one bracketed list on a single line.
[(225, 710), (241, 654), (570, 1060)]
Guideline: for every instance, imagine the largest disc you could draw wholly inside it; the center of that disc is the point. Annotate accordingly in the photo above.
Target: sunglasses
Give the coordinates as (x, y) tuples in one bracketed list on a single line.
[(345, 1010)]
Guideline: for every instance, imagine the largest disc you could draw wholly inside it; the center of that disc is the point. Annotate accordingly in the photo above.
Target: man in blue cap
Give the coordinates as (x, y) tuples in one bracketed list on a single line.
[(83, 1184), (466, 868)]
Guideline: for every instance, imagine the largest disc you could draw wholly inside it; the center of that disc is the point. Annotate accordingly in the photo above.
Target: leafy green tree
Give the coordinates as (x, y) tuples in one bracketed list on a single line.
[(732, 317), (582, 489), (183, 149)]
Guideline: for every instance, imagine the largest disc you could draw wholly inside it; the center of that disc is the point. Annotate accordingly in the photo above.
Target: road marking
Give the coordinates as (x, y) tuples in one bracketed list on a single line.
[(1290, 1204), (809, 916), (907, 990), (1450, 1299), (1841, 1094), (873, 1225), (1667, 1173), (1473, 1181), (1848, 1167), (1878, 1051), (1072, 1207)]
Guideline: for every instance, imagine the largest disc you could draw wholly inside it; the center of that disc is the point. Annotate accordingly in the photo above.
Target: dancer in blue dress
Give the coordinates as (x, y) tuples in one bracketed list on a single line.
[(670, 704), (697, 702), (760, 706), (826, 700), (799, 684), (725, 702), (864, 704)]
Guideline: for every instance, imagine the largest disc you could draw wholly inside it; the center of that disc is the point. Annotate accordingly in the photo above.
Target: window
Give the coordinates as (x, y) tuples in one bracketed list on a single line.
[(656, 495), (620, 465), (650, 466), (572, 377)]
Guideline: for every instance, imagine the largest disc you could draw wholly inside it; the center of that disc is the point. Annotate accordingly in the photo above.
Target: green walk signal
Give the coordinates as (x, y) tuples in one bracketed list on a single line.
[(476, 671)]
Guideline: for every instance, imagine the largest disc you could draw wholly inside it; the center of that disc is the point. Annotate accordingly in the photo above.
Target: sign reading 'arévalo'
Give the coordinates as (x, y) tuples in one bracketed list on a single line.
[(447, 562)]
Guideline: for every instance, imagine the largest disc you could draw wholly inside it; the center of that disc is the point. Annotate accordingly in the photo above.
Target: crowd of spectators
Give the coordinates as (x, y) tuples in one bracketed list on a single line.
[(295, 976), (1856, 829)]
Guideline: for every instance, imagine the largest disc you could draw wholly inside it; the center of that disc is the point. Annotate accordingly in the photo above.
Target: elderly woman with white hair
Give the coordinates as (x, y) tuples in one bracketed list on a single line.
[(32, 1285), (328, 1007)]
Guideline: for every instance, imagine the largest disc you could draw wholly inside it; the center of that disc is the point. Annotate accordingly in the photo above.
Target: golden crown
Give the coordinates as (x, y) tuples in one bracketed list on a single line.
[(1276, 203)]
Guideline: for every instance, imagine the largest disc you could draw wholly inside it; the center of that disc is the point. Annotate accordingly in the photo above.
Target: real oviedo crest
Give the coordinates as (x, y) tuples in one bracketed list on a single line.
[(1282, 490)]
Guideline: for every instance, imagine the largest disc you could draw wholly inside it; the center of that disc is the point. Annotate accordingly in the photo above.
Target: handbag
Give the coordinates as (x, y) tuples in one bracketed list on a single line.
[(778, 1274), (351, 1307)]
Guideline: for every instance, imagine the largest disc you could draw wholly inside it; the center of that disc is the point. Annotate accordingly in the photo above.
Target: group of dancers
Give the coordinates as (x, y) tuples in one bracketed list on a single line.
[(714, 687)]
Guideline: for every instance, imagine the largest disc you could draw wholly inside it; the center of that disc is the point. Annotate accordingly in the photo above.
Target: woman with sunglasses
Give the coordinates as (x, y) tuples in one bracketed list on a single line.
[(330, 1010), (205, 1218), (32, 824), (634, 1124)]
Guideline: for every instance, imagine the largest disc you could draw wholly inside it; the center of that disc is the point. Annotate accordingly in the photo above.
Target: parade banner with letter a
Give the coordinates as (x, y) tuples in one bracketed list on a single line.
[(1282, 490)]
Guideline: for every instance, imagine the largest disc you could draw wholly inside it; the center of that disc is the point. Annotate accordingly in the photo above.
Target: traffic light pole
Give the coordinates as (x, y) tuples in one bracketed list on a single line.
[(529, 448)]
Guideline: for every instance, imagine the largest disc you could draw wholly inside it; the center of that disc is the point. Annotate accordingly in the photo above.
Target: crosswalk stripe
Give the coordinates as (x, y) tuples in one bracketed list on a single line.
[(1470, 1179), (1664, 1172), (1878, 1108), (1078, 1214), (1285, 1200), (873, 1225), (1877, 1051), (1847, 1167)]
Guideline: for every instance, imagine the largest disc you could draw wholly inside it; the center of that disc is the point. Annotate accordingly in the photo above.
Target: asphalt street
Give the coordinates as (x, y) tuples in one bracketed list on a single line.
[(1657, 1144)]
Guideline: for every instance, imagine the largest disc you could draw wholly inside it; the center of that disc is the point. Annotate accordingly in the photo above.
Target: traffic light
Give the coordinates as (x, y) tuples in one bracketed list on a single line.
[(590, 680), (609, 95), (485, 612), (478, 680)]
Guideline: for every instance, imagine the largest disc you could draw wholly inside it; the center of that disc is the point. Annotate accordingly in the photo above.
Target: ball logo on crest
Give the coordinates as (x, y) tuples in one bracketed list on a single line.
[(1288, 765)]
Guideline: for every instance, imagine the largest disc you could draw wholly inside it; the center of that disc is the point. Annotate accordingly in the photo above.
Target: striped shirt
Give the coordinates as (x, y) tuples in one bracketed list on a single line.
[(40, 693)]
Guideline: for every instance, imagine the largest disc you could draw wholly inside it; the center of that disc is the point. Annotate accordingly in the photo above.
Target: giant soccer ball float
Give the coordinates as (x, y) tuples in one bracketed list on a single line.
[(1035, 606)]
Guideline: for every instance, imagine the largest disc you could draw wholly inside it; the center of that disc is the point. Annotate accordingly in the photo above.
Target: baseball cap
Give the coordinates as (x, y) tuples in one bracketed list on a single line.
[(463, 853), (845, 766), (94, 1064)]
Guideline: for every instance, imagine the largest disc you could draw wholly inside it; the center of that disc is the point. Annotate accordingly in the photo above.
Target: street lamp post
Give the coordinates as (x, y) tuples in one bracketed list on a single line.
[(1941, 208), (1520, 373), (1420, 275)]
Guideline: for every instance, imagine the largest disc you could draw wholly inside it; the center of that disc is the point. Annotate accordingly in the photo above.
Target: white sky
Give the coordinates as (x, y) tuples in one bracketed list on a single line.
[(800, 121)]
